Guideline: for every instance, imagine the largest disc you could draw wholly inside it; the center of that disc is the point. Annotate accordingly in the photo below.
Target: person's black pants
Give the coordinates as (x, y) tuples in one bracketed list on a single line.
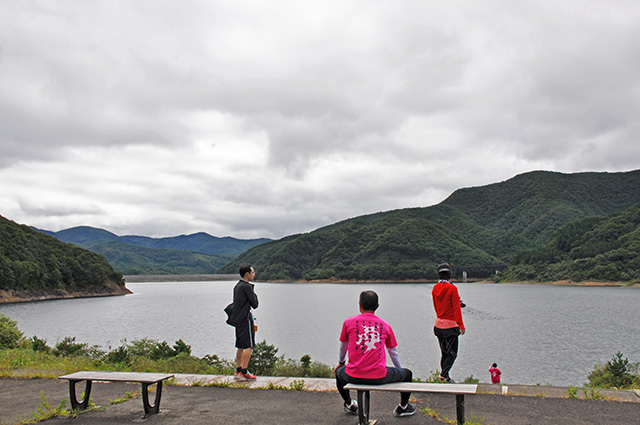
[(448, 340), (393, 375)]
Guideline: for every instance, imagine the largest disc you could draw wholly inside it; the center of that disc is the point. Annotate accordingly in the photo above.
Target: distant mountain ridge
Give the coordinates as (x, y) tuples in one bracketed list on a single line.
[(475, 226), (198, 253), (199, 242)]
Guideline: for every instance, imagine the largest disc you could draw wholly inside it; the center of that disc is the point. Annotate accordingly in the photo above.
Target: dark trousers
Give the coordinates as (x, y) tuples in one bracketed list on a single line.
[(393, 375), (448, 340)]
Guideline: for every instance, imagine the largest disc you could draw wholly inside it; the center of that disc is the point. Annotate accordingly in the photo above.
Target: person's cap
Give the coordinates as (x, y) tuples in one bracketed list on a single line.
[(444, 267)]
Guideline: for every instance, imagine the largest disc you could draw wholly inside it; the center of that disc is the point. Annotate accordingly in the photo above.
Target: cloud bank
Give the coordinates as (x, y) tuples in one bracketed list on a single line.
[(256, 119)]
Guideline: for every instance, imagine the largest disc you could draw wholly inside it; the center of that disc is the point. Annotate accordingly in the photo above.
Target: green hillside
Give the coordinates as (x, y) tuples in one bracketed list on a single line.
[(198, 253), (476, 226), (133, 260), (33, 264), (598, 248)]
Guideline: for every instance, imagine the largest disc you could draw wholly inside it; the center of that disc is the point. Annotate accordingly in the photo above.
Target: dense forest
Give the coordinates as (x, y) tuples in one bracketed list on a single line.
[(33, 264), (198, 253), (478, 230), (133, 260), (596, 248)]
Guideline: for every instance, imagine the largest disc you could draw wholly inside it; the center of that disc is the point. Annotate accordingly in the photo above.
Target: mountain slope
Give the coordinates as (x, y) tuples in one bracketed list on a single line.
[(596, 248), (33, 265), (133, 260), (484, 225), (199, 253)]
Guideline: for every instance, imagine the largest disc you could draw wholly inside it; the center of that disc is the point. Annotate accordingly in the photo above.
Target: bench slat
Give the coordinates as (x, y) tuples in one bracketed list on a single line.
[(417, 387), (146, 378)]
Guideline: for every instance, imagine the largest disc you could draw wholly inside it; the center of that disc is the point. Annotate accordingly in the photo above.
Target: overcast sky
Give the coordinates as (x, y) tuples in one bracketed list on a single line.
[(268, 118)]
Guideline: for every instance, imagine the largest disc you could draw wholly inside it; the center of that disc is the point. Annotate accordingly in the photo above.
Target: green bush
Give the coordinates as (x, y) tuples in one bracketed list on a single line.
[(38, 344), (69, 347), (304, 367), (119, 355), (263, 358), (616, 373), (10, 335), (181, 348), (147, 355), (142, 347)]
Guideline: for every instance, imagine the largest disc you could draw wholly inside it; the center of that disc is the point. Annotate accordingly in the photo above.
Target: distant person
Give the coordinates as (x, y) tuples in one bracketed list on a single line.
[(449, 325), (364, 338), (244, 299), (495, 373)]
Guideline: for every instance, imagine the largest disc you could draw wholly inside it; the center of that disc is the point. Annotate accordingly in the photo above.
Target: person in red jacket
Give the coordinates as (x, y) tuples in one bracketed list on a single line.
[(495, 373), (449, 324)]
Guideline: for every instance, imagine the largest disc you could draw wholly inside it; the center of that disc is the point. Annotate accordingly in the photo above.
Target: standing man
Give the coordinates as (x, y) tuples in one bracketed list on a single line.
[(449, 325), (364, 337), (244, 299)]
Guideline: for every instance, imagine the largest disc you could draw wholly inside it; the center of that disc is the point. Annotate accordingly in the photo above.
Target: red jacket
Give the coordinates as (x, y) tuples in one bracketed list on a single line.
[(446, 302)]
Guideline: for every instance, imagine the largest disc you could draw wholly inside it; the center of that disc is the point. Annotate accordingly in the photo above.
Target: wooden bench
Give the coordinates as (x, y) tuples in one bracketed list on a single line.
[(146, 379), (415, 387)]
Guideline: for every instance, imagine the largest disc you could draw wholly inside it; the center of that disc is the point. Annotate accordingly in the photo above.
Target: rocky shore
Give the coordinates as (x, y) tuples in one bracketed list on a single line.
[(108, 290)]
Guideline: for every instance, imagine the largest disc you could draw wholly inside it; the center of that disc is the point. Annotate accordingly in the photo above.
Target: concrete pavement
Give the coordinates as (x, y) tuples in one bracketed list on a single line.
[(215, 399)]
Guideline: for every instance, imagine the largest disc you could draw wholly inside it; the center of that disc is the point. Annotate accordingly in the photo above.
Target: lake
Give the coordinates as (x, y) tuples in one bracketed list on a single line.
[(538, 334)]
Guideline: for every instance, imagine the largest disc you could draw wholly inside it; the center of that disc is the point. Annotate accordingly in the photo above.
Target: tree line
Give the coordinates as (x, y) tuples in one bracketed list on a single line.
[(31, 261)]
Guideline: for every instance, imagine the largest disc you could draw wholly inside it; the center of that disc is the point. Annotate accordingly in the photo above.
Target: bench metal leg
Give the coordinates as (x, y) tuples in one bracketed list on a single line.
[(148, 408), (364, 401), (75, 404), (460, 408)]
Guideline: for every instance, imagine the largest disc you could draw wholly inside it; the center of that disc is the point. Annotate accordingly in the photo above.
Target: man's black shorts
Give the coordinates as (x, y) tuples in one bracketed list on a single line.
[(245, 334)]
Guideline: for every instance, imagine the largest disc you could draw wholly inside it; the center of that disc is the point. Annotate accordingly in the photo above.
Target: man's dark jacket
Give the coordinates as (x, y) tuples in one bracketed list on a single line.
[(244, 299)]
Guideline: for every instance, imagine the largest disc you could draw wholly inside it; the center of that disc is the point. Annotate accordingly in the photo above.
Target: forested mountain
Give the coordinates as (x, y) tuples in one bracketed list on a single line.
[(198, 242), (133, 260), (34, 265), (477, 226), (198, 253), (596, 248)]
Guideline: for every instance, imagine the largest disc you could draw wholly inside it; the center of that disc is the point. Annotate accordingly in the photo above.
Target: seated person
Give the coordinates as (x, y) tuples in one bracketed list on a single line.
[(364, 338)]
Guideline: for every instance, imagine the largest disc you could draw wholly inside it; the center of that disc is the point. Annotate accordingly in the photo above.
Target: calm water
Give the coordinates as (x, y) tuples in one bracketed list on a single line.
[(536, 334)]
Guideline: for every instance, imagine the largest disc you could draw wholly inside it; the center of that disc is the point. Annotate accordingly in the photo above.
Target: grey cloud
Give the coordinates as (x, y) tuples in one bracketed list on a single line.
[(41, 208), (402, 102)]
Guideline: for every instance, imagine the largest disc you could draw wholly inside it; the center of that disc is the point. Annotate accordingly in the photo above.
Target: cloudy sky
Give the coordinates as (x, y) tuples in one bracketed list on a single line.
[(267, 118)]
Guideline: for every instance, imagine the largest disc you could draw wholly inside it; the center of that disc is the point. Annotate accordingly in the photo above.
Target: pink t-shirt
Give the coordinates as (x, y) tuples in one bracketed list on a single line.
[(495, 375), (367, 336)]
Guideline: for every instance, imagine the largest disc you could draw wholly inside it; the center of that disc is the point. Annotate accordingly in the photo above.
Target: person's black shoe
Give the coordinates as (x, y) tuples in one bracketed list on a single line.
[(407, 411), (352, 408)]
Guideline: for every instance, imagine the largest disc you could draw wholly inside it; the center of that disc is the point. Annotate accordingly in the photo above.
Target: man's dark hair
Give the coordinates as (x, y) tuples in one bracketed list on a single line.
[(369, 300), (244, 269)]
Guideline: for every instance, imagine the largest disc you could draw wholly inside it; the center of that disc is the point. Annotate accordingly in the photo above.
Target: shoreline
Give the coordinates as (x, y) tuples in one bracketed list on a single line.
[(8, 297), (225, 277)]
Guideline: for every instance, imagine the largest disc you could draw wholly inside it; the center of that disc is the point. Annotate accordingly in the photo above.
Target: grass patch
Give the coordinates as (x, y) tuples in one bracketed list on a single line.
[(443, 418), (45, 411), (127, 396)]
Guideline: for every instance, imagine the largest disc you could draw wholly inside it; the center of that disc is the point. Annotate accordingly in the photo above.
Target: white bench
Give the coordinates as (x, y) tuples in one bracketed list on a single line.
[(146, 379), (415, 387)]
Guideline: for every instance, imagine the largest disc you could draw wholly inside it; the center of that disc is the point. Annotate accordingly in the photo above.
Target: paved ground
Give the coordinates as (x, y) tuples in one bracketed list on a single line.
[(189, 403)]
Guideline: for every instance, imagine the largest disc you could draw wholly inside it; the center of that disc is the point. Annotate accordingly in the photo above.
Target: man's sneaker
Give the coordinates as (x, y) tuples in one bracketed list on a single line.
[(407, 411), (237, 375), (447, 380), (352, 408), (248, 375)]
